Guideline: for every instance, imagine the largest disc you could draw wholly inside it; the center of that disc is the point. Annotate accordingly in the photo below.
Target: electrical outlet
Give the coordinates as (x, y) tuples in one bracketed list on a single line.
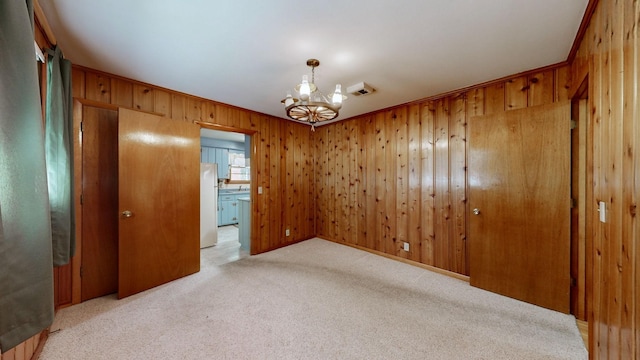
[(406, 246), (287, 232)]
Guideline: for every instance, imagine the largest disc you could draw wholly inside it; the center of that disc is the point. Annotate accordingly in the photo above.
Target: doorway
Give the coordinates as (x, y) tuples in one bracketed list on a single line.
[(230, 153), (581, 201), (519, 181), (131, 239)]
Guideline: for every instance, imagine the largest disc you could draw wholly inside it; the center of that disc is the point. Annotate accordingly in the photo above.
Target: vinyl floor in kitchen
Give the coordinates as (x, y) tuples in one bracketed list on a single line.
[(227, 248)]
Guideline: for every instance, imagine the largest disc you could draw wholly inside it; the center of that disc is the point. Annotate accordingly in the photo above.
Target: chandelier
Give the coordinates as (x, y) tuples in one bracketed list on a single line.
[(313, 106)]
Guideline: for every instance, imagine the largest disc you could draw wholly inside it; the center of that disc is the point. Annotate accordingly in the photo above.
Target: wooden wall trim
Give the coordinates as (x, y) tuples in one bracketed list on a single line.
[(173, 92), (461, 91), (582, 30), (401, 259), (42, 19), (212, 126)]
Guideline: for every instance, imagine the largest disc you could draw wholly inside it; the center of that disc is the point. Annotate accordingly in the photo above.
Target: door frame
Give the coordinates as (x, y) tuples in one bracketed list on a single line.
[(581, 183), (78, 146), (253, 174)]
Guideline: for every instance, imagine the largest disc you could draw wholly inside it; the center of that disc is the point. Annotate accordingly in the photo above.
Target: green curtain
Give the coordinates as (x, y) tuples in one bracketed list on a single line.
[(26, 275), (59, 154)]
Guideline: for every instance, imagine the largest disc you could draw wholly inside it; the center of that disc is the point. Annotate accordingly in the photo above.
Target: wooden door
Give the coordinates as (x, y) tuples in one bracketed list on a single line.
[(99, 202), (159, 200), (519, 181)]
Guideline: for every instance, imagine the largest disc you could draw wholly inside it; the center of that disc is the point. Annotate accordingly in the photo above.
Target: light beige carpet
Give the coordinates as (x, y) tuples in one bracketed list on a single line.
[(313, 300)]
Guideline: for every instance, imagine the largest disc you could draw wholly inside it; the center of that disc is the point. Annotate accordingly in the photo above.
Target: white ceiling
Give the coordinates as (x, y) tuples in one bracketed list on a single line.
[(248, 53)]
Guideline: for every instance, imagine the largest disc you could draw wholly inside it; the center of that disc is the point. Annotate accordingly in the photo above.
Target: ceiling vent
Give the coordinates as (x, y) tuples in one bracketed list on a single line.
[(359, 89)]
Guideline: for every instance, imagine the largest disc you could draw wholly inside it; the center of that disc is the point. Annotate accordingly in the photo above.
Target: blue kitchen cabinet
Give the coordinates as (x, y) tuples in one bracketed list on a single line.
[(218, 156), (228, 214), (225, 207), (228, 205), (204, 154), (222, 159)]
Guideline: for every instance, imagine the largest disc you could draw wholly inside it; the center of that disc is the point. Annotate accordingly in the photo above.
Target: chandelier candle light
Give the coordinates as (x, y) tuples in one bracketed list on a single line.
[(312, 106)]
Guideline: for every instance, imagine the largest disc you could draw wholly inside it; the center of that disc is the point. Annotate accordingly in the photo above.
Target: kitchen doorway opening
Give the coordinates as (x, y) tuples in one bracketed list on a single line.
[(226, 211)]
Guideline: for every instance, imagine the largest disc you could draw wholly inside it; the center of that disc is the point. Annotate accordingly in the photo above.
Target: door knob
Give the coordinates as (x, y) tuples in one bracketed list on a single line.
[(127, 214), (476, 211)]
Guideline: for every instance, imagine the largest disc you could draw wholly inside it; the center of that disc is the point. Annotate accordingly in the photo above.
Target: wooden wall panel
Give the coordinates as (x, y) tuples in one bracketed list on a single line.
[(281, 161), (609, 52), (379, 162), (458, 185), (178, 107), (97, 87), (494, 96), (541, 89), (414, 193), (427, 182), (353, 179), (390, 185), (162, 102), (516, 91), (121, 93), (319, 174), (562, 77), (143, 98), (338, 223), (276, 212), (413, 170), (442, 198), (628, 40), (24, 351), (402, 182), (369, 172), (78, 82), (475, 102)]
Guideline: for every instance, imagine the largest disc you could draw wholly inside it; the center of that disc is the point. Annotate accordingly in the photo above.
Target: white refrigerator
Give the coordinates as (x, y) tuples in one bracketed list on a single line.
[(208, 204)]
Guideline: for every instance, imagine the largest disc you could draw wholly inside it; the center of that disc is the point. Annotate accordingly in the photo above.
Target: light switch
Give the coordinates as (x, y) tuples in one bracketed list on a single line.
[(259, 189), (602, 208)]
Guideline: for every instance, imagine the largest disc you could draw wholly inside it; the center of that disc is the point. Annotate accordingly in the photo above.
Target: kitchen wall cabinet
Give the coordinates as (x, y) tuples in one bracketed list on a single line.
[(222, 159), (218, 156)]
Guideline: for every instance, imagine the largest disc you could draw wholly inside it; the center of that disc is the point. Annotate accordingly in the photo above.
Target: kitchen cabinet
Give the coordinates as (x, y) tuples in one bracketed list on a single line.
[(228, 207), (244, 222), (222, 159), (218, 156)]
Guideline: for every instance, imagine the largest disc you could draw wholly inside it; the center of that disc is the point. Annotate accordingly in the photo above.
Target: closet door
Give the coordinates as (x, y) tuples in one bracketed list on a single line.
[(99, 201), (519, 192), (159, 200)]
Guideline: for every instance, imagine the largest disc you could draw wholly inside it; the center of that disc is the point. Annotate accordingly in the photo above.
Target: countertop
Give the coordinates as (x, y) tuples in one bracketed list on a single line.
[(234, 192)]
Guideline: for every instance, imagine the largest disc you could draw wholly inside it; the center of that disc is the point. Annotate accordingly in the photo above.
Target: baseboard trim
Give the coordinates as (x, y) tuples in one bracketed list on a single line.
[(401, 259), (583, 327)]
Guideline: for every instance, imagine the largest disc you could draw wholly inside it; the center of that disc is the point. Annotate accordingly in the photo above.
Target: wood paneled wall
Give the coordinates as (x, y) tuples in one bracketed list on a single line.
[(25, 350), (609, 53), (281, 160), (400, 175)]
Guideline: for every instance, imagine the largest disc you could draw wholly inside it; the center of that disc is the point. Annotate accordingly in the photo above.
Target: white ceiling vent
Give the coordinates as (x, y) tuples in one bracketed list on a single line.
[(359, 89)]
